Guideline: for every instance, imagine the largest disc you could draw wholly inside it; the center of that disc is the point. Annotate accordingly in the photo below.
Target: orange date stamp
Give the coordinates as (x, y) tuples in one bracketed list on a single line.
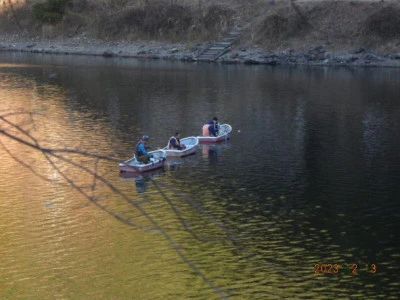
[(347, 268)]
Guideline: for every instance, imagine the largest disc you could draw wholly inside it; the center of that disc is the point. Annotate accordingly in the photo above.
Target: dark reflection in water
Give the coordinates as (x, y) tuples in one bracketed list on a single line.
[(310, 174), (141, 180)]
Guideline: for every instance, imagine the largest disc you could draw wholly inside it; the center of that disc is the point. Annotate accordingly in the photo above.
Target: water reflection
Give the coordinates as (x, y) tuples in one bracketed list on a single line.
[(213, 151), (141, 180), (210, 152), (311, 177)]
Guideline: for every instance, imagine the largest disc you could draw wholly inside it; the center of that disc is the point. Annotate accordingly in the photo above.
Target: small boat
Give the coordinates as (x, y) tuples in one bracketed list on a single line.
[(190, 142), (141, 175), (134, 166), (223, 135)]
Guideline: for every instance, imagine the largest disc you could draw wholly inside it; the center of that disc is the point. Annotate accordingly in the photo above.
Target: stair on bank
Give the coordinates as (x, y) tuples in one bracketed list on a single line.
[(217, 49)]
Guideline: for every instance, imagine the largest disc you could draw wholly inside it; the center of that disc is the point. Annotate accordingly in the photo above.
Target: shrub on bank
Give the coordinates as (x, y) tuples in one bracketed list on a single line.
[(385, 23), (50, 11)]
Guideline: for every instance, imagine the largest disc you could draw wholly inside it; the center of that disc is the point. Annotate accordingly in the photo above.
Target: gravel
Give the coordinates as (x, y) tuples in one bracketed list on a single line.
[(83, 45)]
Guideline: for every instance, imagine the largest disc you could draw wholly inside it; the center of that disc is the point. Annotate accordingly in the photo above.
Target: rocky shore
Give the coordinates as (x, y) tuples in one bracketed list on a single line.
[(315, 56)]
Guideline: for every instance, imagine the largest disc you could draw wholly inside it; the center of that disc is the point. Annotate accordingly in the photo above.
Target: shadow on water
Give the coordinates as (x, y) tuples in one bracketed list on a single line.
[(141, 180)]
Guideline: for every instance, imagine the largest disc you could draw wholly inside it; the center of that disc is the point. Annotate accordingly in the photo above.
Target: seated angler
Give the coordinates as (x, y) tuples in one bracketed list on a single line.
[(211, 128), (141, 152), (175, 143)]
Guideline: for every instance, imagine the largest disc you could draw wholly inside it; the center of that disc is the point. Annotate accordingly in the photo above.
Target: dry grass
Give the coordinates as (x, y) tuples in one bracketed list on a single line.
[(384, 23), (336, 25), (270, 24), (172, 22)]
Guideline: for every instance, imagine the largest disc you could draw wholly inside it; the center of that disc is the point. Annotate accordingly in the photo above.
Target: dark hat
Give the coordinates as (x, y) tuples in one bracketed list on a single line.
[(145, 138), (177, 132)]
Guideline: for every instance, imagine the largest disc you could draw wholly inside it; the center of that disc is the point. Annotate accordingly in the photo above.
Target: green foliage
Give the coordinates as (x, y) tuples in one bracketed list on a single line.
[(49, 11)]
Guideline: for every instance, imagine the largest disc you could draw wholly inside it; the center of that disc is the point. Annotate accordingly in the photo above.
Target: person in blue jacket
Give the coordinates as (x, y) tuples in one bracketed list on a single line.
[(141, 152), (211, 128), (214, 127)]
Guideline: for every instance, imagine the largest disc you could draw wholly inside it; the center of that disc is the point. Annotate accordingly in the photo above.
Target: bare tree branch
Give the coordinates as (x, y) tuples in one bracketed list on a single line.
[(15, 17), (52, 153)]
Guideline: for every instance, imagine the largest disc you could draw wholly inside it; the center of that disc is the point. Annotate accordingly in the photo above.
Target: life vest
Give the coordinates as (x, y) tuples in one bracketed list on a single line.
[(169, 142), (206, 131), (137, 152)]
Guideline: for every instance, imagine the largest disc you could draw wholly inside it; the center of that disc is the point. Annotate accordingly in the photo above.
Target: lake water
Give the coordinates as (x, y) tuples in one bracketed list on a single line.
[(302, 202)]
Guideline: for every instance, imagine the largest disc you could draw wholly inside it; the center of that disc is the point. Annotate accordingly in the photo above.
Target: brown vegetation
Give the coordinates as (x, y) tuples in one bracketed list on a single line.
[(384, 23), (267, 24), (172, 22), (337, 25)]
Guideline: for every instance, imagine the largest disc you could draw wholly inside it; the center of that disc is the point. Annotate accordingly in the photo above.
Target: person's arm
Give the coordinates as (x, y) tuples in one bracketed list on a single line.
[(176, 144), (212, 130), (181, 146), (142, 149)]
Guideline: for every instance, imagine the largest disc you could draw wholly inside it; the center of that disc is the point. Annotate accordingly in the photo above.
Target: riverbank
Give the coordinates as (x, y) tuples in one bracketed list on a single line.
[(296, 32), (315, 56)]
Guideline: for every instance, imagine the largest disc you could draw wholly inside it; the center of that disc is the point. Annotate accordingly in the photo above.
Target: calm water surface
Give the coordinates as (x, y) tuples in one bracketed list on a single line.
[(309, 177)]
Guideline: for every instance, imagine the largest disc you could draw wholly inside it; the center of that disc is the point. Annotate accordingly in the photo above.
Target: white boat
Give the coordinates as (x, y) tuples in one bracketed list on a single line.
[(190, 142), (223, 135), (134, 166), (141, 175)]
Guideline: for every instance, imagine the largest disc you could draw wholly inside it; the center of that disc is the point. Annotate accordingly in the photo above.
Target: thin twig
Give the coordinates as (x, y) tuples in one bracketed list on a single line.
[(57, 153)]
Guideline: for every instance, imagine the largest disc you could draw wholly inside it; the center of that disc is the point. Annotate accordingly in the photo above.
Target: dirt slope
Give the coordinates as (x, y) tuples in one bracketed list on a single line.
[(270, 25), (337, 25)]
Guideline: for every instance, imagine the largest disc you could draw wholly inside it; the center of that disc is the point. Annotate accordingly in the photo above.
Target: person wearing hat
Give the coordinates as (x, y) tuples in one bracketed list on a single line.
[(175, 143), (211, 128), (141, 153)]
